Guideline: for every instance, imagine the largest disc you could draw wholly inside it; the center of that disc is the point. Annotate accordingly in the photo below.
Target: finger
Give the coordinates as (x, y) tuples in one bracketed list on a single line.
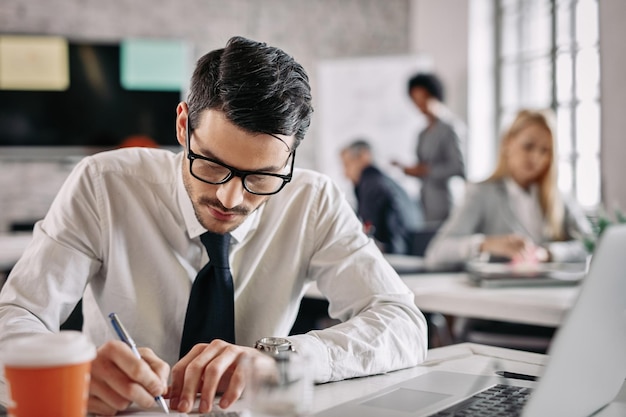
[(178, 375), (236, 386), (108, 382), (139, 371), (103, 400), (213, 373), (98, 407), (129, 376), (187, 374), (247, 363), (158, 365)]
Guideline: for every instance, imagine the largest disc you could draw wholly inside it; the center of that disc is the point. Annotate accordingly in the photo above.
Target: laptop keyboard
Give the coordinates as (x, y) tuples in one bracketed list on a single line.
[(497, 401)]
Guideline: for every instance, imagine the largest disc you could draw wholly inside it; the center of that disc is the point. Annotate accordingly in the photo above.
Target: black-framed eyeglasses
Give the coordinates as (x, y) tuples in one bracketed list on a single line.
[(215, 172)]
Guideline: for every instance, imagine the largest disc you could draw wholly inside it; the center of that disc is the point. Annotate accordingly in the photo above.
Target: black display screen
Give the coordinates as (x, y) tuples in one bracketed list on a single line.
[(95, 111)]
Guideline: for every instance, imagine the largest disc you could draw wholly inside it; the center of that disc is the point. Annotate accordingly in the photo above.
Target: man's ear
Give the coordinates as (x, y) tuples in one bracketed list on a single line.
[(182, 118)]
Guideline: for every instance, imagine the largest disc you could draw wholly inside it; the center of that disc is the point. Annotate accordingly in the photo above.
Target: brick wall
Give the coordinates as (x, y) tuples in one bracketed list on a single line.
[(310, 30)]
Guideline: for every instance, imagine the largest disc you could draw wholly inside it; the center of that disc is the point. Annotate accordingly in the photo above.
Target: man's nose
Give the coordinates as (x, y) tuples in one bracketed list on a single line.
[(231, 193)]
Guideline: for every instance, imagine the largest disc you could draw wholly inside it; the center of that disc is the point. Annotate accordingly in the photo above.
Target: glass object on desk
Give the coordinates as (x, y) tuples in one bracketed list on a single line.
[(279, 385)]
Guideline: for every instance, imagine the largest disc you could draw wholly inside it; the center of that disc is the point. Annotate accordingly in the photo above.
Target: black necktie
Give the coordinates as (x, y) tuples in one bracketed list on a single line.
[(211, 308)]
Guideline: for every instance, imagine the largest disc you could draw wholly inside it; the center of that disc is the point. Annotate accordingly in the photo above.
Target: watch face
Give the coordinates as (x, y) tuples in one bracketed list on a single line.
[(273, 344), (274, 341)]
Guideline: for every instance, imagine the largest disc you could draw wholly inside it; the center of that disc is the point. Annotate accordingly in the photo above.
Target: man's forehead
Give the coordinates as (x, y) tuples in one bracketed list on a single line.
[(214, 122)]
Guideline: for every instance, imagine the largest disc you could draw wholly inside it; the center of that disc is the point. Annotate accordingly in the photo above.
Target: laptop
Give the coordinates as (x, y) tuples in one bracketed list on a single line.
[(500, 274), (585, 370)]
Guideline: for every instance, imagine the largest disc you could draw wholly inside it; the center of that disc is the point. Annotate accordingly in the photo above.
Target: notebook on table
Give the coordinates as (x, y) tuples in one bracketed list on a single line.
[(496, 274), (584, 372)]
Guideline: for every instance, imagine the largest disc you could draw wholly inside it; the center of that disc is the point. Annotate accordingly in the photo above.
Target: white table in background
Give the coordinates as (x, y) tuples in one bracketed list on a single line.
[(452, 294), (406, 264)]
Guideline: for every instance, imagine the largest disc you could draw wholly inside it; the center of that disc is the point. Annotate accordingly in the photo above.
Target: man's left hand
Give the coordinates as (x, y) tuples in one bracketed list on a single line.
[(210, 369)]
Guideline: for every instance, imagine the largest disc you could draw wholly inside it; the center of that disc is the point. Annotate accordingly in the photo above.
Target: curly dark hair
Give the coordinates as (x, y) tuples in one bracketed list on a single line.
[(429, 82), (258, 87)]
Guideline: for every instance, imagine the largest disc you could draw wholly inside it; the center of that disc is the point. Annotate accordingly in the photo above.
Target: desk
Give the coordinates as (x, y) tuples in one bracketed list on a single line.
[(406, 264), (451, 293), (411, 264), (465, 357)]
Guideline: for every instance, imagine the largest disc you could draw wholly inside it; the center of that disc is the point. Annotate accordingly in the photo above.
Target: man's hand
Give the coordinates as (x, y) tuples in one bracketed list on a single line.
[(118, 378), (209, 369)]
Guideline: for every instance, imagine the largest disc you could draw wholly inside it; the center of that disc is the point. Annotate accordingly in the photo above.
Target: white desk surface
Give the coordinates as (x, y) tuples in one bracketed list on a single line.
[(405, 264), (465, 358), (451, 293)]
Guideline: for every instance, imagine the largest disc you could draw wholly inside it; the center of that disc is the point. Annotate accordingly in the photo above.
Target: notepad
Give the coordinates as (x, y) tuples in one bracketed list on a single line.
[(486, 274)]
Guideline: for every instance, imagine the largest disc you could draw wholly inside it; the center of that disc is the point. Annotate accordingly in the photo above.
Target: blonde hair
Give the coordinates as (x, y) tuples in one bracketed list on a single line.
[(549, 197)]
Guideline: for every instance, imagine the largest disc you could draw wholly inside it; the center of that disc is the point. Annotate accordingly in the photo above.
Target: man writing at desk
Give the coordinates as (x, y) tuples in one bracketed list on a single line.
[(128, 231)]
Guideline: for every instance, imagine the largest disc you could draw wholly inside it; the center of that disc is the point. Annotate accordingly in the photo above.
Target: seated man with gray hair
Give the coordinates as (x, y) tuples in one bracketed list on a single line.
[(384, 207)]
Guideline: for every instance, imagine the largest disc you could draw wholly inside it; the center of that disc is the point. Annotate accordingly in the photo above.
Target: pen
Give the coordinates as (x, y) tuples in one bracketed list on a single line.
[(515, 375), (125, 337)]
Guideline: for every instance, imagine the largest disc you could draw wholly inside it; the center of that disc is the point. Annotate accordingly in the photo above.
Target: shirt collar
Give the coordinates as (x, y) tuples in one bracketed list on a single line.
[(193, 226)]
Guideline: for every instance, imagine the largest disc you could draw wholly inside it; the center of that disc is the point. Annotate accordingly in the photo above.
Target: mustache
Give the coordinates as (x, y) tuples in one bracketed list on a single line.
[(214, 202)]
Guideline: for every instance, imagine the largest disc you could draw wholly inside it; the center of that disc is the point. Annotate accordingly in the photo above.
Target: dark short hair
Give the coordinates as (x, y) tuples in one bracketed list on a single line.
[(429, 82), (260, 88)]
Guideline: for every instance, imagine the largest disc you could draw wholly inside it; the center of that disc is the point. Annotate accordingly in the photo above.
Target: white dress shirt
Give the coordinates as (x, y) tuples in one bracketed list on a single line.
[(122, 234)]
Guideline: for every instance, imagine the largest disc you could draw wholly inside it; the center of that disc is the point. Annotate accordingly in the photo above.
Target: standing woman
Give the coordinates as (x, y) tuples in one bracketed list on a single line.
[(518, 212), (438, 151)]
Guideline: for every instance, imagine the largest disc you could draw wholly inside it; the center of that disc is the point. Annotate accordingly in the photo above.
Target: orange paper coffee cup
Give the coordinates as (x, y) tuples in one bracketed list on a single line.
[(48, 374)]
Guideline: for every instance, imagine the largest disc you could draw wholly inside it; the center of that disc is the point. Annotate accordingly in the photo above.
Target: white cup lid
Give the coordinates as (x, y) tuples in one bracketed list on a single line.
[(49, 349)]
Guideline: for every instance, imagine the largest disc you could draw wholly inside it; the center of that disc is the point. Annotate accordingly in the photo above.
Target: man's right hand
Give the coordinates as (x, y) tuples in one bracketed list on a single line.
[(119, 378)]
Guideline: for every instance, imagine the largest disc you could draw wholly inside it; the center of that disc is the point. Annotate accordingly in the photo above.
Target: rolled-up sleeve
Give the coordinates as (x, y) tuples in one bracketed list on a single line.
[(382, 329)]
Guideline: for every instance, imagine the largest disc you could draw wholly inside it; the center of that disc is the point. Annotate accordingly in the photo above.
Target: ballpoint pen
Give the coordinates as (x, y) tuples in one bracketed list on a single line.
[(125, 337)]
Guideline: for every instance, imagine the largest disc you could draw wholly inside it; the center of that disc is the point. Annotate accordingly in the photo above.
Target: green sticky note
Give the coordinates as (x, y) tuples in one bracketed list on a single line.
[(153, 65)]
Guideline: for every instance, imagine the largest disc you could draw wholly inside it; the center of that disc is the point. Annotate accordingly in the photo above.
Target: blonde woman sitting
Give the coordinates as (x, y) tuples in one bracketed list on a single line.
[(518, 213)]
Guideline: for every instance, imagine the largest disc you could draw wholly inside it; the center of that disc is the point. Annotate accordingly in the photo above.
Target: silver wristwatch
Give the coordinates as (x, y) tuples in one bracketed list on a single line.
[(274, 345)]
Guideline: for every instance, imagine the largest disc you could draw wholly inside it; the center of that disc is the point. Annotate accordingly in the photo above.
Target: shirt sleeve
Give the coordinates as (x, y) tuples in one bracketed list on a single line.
[(382, 329), (460, 236), (56, 265), (576, 226)]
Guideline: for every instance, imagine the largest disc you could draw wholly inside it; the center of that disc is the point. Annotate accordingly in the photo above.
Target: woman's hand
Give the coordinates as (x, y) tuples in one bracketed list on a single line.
[(515, 247)]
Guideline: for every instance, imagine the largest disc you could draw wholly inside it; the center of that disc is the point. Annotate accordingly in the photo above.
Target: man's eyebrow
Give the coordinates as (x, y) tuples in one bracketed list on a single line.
[(208, 154)]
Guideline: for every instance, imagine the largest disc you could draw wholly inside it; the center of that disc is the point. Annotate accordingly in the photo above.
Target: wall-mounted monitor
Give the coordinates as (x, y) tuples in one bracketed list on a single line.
[(95, 110)]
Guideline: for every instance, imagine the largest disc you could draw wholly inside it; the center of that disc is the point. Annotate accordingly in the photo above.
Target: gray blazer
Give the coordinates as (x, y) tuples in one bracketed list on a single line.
[(486, 210)]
